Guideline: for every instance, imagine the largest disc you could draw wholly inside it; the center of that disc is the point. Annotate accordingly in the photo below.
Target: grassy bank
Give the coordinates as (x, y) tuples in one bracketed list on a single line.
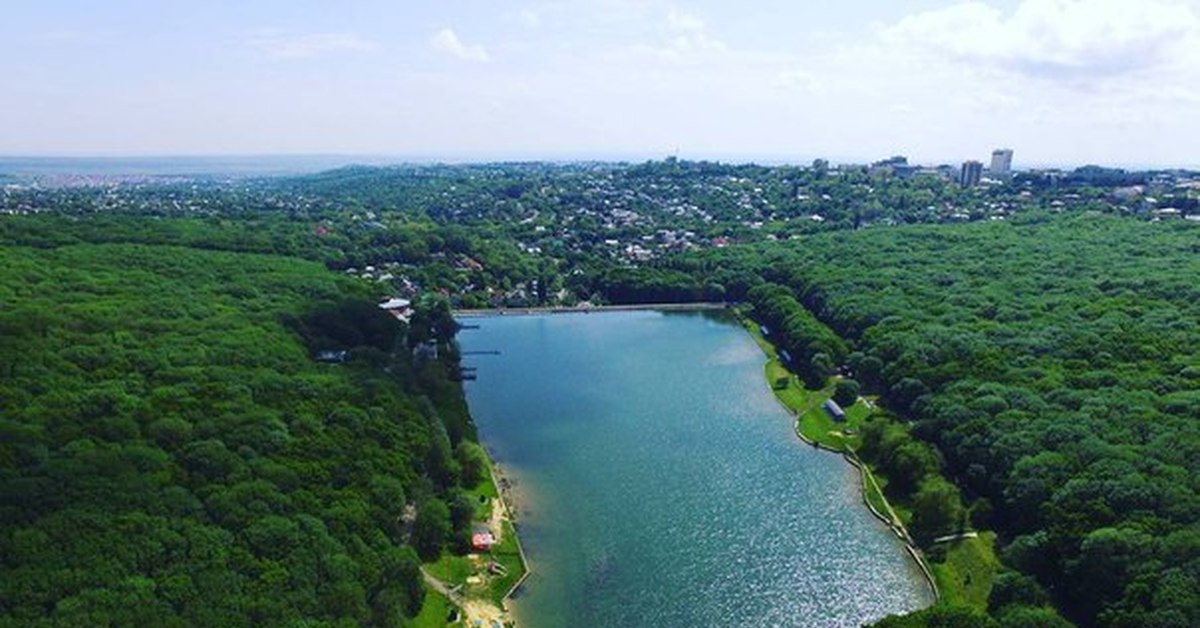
[(963, 570), (435, 611), (481, 580), (965, 574), (813, 424), (455, 570)]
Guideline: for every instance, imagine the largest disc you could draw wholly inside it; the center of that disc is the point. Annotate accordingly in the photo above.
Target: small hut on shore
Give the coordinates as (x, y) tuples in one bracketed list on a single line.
[(482, 539), (834, 410)]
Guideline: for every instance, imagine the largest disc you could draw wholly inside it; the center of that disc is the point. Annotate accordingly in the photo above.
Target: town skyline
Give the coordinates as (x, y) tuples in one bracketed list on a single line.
[(1071, 82)]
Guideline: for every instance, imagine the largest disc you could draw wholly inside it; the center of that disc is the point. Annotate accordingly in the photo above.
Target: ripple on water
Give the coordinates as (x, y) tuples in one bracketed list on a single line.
[(670, 488)]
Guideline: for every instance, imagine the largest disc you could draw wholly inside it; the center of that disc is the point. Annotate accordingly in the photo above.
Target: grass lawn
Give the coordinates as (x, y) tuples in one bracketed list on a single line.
[(507, 554), (874, 493), (763, 343), (965, 577), (434, 611), (483, 493), (813, 422), (450, 568), (454, 570), (794, 395), (816, 424)]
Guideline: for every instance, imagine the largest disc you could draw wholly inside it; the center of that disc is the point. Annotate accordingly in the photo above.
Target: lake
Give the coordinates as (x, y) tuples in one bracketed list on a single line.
[(659, 483)]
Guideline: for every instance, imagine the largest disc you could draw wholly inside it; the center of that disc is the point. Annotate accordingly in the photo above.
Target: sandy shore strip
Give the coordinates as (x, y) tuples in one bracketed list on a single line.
[(513, 498)]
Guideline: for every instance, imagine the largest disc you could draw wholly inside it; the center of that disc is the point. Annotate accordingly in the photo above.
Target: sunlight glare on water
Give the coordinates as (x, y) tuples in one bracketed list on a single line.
[(662, 485)]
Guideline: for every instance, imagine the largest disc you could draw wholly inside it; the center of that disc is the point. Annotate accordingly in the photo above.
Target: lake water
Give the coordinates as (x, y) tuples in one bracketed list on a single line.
[(660, 484)]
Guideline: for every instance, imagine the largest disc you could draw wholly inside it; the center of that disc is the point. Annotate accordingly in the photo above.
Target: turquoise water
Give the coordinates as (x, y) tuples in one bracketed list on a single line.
[(660, 484)]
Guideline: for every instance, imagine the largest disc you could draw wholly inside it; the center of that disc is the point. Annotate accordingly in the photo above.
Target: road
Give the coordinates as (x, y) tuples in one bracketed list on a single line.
[(439, 586), (476, 612), (518, 311), (956, 537)]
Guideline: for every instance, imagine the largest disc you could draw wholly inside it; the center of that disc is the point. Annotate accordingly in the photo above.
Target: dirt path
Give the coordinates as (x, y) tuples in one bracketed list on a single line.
[(496, 521), (956, 537), (439, 586), (896, 521), (475, 612)]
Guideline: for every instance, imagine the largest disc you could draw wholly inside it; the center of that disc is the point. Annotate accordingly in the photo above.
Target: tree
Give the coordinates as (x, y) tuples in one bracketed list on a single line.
[(1018, 616), (1107, 561), (171, 432), (1010, 587), (940, 616), (401, 588), (906, 392), (846, 392), (909, 465), (209, 472), (471, 461), (937, 510), (820, 367), (462, 511), (431, 528)]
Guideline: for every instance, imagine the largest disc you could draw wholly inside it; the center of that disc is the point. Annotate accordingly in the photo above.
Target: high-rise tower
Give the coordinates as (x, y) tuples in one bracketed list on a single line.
[(971, 171), (1001, 163)]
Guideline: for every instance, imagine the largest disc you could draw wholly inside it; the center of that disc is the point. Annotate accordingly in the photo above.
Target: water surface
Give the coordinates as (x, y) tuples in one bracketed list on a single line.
[(660, 484)]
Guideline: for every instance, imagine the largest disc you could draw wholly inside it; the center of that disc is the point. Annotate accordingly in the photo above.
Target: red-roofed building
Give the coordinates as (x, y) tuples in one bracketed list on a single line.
[(482, 541)]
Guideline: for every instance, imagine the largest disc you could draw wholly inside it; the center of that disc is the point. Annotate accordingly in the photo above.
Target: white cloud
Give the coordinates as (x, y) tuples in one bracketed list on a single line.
[(1060, 81), (945, 85), (686, 22), (530, 17), (795, 79), (1073, 39), (686, 38), (447, 42), (279, 46)]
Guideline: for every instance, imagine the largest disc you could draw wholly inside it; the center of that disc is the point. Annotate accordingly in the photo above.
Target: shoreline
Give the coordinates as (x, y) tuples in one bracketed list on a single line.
[(558, 309), (510, 494), (894, 525), (485, 606), (505, 488)]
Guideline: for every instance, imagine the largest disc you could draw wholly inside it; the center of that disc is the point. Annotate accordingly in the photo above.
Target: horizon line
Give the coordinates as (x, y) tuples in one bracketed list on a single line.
[(484, 158)]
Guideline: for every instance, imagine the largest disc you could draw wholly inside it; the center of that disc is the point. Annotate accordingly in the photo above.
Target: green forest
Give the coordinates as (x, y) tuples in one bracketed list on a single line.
[(172, 454), (1054, 364)]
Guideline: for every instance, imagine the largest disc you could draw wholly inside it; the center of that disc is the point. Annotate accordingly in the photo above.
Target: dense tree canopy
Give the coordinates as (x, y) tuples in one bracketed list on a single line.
[(171, 454), (156, 380), (1055, 364)]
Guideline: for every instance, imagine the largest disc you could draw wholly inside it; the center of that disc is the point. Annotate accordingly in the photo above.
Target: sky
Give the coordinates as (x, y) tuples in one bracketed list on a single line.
[(1062, 82)]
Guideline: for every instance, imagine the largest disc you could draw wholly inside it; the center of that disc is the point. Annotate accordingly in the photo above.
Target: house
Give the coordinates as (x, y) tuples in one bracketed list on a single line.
[(426, 351), (482, 539), (834, 410), (401, 309), (331, 356)]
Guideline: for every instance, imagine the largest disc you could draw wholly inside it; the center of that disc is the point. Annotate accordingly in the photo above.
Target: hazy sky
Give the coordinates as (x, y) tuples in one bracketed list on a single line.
[(1060, 81)]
